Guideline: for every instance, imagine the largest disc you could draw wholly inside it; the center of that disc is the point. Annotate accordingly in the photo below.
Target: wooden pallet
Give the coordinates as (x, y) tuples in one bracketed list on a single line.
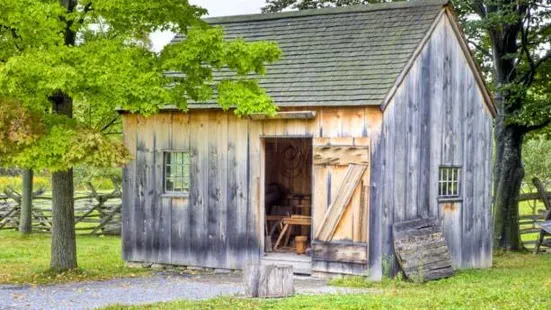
[(421, 250)]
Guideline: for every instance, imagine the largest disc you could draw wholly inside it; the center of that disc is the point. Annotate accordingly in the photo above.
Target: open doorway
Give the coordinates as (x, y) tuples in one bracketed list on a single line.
[(288, 199)]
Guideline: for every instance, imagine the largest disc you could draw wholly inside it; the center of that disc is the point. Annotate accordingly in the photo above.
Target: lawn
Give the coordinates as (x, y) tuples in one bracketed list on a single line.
[(517, 281), (26, 260)]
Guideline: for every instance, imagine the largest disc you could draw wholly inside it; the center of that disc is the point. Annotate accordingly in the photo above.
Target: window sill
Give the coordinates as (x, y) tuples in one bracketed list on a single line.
[(175, 195), (450, 199)]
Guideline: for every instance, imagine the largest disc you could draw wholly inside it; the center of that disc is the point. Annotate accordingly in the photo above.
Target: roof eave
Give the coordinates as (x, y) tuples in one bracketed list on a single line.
[(325, 11)]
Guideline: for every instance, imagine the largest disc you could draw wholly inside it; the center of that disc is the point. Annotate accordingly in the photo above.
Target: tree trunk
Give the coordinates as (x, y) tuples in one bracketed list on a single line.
[(25, 216), (64, 252), (508, 138), (508, 179)]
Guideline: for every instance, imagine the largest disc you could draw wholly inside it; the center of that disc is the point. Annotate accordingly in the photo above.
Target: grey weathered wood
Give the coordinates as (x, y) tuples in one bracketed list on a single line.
[(458, 133), (421, 250), (285, 115), (180, 248), (340, 252), (329, 269), (213, 189), (268, 281)]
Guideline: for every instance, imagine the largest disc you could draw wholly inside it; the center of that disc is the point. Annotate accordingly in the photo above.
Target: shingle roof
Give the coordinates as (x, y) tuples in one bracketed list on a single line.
[(337, 56)]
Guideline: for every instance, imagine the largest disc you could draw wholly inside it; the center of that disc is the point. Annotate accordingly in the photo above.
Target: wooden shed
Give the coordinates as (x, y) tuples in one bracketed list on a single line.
[(383, 117)]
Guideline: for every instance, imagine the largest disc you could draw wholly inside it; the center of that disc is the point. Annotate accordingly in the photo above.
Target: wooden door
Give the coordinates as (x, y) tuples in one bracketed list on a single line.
[(341, 205)]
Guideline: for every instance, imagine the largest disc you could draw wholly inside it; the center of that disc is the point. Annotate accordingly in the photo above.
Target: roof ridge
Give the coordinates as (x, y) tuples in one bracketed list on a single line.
[(326, 11)]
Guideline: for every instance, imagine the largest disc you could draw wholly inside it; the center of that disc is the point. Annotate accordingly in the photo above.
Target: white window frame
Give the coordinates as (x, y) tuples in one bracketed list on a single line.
[(180, 177), (449, 182)]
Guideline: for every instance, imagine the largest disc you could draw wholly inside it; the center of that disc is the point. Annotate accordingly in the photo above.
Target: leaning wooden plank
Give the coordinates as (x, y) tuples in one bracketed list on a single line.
[(421, 250), (336, 209)]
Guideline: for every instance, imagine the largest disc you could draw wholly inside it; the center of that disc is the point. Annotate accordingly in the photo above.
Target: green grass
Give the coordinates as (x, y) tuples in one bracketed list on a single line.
[(517, 281), (25, 259)]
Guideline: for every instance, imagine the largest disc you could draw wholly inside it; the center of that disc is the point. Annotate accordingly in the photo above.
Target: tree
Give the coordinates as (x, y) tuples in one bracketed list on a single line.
[(511, 40), (60, 57), (25, 215), (517, 34)]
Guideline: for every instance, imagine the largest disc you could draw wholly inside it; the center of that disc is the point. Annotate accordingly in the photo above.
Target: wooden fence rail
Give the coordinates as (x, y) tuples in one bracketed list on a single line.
[(532, 211), (95, 213)]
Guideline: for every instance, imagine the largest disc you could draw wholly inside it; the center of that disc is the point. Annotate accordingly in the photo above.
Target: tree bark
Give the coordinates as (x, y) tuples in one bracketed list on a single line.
[(64, 253), (25, 216), (509, 173)]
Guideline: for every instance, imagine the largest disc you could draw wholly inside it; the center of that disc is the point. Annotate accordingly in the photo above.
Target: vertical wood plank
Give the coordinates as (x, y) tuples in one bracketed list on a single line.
[(129, 186), (198, 188), (424, 97), (212, 121), (436, 115), (161, 206), (399, 123), (139, 203), (255, 215), (388, 184), (242, 179), (233, 242), (149, 189), (181, 252), (413, 147), (222, 207)]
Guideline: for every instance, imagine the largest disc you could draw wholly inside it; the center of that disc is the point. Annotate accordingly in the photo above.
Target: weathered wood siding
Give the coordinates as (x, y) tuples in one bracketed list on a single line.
[(220, 223), (437, 117)]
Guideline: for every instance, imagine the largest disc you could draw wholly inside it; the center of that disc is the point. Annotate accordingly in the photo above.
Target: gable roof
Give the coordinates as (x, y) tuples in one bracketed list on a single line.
[(337, 56)]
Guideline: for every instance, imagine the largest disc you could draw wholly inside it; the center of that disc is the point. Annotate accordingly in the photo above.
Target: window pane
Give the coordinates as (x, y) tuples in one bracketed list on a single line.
[(448, 183), (176, 177)]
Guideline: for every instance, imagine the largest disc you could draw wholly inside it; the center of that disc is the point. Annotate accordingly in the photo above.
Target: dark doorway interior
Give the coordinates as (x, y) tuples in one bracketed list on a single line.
[(288, 188)]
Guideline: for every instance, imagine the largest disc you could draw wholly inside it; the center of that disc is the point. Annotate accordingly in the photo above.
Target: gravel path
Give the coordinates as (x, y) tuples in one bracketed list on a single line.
[(158, 288)]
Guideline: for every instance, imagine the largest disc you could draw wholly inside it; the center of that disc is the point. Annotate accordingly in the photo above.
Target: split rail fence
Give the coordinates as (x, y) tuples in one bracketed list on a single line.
[(532, 210), (96, 213)]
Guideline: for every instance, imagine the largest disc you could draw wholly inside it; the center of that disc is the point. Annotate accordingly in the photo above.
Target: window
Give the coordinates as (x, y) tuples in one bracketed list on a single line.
[(176, 178), (448, 182)]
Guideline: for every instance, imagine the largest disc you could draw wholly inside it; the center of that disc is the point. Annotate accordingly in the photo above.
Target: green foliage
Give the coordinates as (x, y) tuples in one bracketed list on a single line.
[(19, 129), (517, 69), (536, 154), (23, 260), (95, 53), (517, 281)]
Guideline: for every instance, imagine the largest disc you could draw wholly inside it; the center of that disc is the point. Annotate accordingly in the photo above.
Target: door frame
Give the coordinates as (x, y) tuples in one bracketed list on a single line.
[(261, 201)]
